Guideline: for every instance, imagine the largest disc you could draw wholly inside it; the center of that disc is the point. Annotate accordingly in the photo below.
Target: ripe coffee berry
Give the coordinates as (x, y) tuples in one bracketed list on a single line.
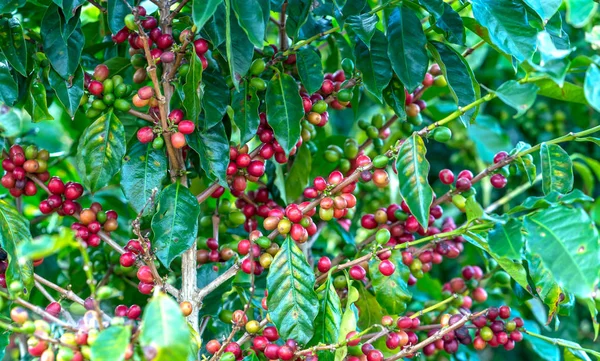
[(127, 259), (498, 181), (186, 127), (446, 176), (144, 274), (463, 184), (145, 135), (357, 272), (324, 264), (387, 268)]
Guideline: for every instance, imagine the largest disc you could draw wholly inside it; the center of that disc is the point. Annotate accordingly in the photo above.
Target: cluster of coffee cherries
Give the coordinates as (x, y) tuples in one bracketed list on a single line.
[(470, 280), (241, 167), (494, 329), (261, 251), (270, 147), (21, 163), (261, 206), (132, 312), (93, 220), (332, 205), (375, 130), (178, 126), (134, 251), (106, 91), (293, 220)]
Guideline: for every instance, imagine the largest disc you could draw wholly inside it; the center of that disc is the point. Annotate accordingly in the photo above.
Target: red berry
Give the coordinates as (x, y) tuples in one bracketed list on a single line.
[(121, 36), (101, 72), (127, 259), (96, 88), (186, 127), (201, 46), (479, 295), (145, 92), (144, 274), (375, 355), (465, 174), (272, 351), (463, 184), (357, 272), (73, 190), (213, 346), (176, 116), (150, 23), (324, 264), (446, 176), (165, 41), (387, 268), (134, 312), (498, 181), (327, 87), (53, 308), (178, 140), (285, 353), (352, 338), (500, 156), (504, 312), (145, 135), (256, 168), (271, 333), (121, 311)]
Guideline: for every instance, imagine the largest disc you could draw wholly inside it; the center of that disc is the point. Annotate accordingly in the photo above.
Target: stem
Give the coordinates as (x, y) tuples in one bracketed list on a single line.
[(49, 297), (283, 39), (40, 336), (35, 309), (567, 344), (434, 307)]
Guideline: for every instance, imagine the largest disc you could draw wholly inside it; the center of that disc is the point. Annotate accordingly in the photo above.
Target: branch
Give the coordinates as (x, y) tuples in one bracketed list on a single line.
[(100, 7)]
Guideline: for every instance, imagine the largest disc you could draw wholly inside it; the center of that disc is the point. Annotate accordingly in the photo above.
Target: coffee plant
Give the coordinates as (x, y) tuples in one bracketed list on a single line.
[(361, 180)]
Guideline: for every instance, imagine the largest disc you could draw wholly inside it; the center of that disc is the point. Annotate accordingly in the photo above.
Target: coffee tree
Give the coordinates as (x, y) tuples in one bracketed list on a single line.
[(299, 180)]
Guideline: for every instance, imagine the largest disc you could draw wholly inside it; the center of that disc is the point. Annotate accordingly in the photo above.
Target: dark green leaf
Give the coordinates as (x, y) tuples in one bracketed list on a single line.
[(508, 26), (591, 86), (101, 151), (250, 17), (413, 170), (11, 5), (448, 20), (192, 90), (310, 69), (374, 64), (62, 43), (557, 169), (297, 177), (369, 310), (14, 231), (461, 80), (69, 7), (395, 97), (391, 292), (167, 332), (202, 10), (117, 10), (239, 47), (292, 300), (8, 87), (12, 44), (212, 146), (111, 344), (285, 109), (297, 12), (329, 318), (406, 48), (363, 26), (144, 169), (215, 99), (519, 96), (580, 12), (506, 240), (175, 223), (245, 105), (36, 104), (68, 92), (117, 65)]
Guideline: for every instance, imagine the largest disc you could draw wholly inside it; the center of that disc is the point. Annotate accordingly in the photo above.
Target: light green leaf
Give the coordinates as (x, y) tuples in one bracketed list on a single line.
[(36, 104), (591, 86), (144, 169), (46, 245), (473, 209), (557, 169), (285, 109), (111, 344), (569, 92), (580, 12), (519, 96), (391, 292), (544, 8), (506, 240), (369, 310), (348, 321)]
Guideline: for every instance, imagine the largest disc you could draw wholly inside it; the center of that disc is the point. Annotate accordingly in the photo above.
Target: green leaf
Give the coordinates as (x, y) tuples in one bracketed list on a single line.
[(413, 170), (567, 241), (144, 169), (62, 43), (101, 151), (112, 344), (297, 13), (374, 64), (544, 8), (239, 48), (36, 104), (216, 98), (202, 10), (489, 137), (448, 20), (47, 244), (569, 92), (461, 80), (508, 26), (250, 17), (310, 69), (594, 316), (117, 10), (285, 109), (545, 350), (348, 320), (575, 355), (166, 330), (473, 209), (369, 310), (11, 5), (406, 47), (213, 147), (329, 318), (506, 240), (519, 96), (364, 26), (8, 87), (544, 284), (69, 92), (14, 231), (395, 97), (591, 87), (192, 90), (245, 105), (292, 300), (391, 292), (175, 223), (298, 175), (117, 65), (589, 139), (12, 44), (580, 12), (533, 203), (557, 169)]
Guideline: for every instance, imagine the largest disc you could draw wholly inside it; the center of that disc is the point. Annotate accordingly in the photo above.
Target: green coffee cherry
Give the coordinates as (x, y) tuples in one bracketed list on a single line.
[(344, 95), (378, 120), (442, 134), (268, 51), (348, 66), (120, 90), (122, 105), (320, 107), (237, 218), (363, 124), (109, 99), (258, 84), (382, 236), (263, 242), (92, 113), (31, 152), (372, 132), (138, 60), (440, 81), (339, 282), (109, 86), (459, 201), (345, 165), (351, 148), (416, 120), (130, 22), (257, 67), (184, 69), (98, 104), (349, 250), (381, 161), (407, 127)]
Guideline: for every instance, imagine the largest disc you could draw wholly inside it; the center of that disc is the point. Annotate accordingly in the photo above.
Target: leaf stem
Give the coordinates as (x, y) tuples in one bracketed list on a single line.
[(563, 343)]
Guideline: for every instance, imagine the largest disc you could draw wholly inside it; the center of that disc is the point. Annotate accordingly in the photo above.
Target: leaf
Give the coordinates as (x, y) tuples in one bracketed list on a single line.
[(116, 11), (544, 8), (557, 169), (489, 137), (298, 175), (14, 232), (374, 64), (8, 87), (591, 86), (215, 99), (250, 17), (406, 47), (506, 240), (461, 80), (544, 284), (519, 96), (329, 318), (192, 90), (567, 242), (292, 301), (348, 321), (117, 65), (573, 355), (101, 150), (144, 169), (166, 330), (297, 12), (473, 209), (580, 12), (47, 244), (569, 92), (36, 104), (212, 146), (175, 223), (239, 48), (589, 139), (594, 316), (395, 97), (413, 170), (112, 343), (369, 310), (61, 45), (69, 92), (392, 291), (202, 10), (245, 105), (363, 26), (448, 20), (12, 44), (285, 109), (546, 351), (310, 69), (508, 26)]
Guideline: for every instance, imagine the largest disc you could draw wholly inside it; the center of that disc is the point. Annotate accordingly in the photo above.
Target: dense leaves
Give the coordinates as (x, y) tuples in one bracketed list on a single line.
[(14, 232)]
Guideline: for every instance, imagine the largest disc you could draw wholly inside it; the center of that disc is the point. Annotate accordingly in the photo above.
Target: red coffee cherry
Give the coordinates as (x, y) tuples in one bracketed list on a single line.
[(145, 135), (324, 264), (446, 176), (186, 127)]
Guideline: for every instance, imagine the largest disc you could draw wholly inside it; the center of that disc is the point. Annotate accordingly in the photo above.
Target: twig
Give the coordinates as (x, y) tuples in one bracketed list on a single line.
[(100, 7), (48, 296)]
